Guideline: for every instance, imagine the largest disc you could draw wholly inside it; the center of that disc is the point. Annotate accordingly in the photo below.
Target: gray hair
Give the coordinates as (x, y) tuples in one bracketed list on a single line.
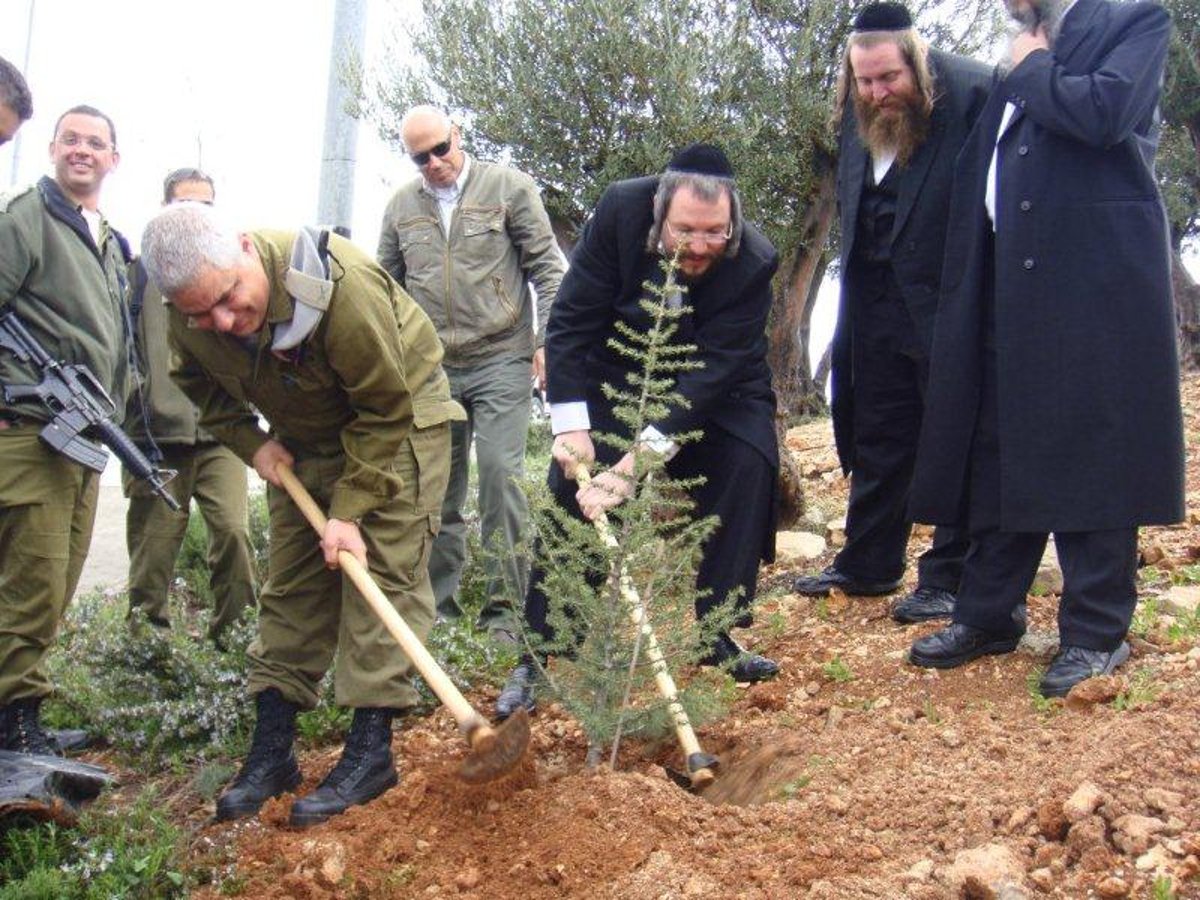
[(182, 241), (709, 189)]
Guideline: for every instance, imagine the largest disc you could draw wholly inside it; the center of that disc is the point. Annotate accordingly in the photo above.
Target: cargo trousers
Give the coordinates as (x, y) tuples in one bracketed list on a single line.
[(310, 614), (154, 533), (47, 509)]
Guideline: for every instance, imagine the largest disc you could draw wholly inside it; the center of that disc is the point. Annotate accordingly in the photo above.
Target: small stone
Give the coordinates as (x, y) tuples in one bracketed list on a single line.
[(1019, 818), (870, 852), (1154, 859), (1133, 834), (837, 804), (1051, 821), (1112, 888), (1043, 879), (422, 846), (1093, 691), (1085, 801), (919, 871), (1162, 800), (950, 737), (984, 871), (835, 529), (798, 546), (836, 714), (467, 879), (1086, 833), (812, 688), (1181, 600)]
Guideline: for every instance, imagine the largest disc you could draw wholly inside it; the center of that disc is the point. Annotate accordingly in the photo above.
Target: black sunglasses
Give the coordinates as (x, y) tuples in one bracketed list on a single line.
[(438, 150)]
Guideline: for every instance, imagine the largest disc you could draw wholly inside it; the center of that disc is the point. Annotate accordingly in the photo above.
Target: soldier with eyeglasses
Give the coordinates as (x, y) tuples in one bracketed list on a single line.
[(467, 239), (691, 212), (62, 269)]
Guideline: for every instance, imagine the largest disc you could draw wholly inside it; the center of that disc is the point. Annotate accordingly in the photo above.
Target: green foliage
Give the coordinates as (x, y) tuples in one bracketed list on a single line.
[(602, 673), (1145, 618), (192, 564), (1141, 691), (150, 690), (837, 670), (126, 853), (1162, 888), (1033, 684)]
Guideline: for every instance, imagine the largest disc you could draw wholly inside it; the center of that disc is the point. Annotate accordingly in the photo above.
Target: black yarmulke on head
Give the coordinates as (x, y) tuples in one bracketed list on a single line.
[(883, 17), (701, 159)]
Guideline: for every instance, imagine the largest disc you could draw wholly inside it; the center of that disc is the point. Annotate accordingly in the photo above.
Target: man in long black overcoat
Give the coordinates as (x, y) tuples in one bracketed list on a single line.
[(1054, 391), (727, 265), (906, 111)]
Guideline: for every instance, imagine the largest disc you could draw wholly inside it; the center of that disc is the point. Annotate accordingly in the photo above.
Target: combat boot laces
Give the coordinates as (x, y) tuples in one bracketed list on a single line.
[(365, 770), (270, 768)]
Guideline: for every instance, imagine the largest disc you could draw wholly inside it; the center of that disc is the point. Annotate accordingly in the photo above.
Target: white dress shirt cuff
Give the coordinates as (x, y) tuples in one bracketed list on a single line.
[(658, 442), (571, 416)]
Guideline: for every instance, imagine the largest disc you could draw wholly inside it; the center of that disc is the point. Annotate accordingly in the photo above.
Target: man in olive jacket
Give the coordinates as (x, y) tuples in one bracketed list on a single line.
[(1054, 389), (466, 239), (347, 371), (62, 269), (162, 420)]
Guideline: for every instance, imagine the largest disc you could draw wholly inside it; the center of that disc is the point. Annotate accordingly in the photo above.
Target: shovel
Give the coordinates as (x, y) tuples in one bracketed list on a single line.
[(700, 765), (494, 751)]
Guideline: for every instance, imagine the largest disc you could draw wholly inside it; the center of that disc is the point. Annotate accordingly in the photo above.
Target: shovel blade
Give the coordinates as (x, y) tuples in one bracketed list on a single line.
[(497, 752)]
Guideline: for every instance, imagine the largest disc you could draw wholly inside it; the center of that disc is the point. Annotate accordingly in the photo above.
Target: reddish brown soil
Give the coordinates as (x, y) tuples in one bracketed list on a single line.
[(866, 788)]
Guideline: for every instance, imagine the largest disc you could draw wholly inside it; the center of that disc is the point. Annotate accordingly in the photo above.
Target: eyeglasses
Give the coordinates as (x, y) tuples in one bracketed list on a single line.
[(438, 150), (686, 236), (70, 139)]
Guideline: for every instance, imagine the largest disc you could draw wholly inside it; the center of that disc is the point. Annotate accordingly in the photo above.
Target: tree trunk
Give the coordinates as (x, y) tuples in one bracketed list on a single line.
[(796, 294), (791, 314), (1187, 311)]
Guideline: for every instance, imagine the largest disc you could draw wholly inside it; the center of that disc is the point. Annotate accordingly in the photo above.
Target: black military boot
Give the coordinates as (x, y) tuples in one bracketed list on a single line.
[(365, 770), (270, 768), (21, 730)]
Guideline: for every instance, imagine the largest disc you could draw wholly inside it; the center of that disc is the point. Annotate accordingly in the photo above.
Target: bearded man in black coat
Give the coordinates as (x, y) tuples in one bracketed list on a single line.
[(906, 110), (1053, 404), (727, 265)]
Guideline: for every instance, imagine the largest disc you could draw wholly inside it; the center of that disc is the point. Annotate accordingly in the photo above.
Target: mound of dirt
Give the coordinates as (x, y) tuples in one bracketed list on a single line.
[(853, 775)]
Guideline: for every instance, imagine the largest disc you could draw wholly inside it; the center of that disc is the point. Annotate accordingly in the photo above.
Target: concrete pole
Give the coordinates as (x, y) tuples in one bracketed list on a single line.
[(335, 203)]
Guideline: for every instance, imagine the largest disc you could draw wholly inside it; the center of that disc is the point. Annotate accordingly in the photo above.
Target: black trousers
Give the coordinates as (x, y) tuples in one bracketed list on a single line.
[(890, 374), (739, 490), (1099, 567)]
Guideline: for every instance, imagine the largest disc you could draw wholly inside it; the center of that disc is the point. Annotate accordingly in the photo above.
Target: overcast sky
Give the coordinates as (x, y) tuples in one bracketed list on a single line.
[(236, 87)]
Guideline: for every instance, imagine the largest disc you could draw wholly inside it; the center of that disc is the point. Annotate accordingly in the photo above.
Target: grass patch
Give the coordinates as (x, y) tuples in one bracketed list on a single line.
[(1033, 685), (1142, 690), (127, 853), (836, 670)]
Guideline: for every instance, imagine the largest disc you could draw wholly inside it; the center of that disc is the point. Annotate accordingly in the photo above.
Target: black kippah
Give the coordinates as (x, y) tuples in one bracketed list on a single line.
[(883, 17), (701, 159)]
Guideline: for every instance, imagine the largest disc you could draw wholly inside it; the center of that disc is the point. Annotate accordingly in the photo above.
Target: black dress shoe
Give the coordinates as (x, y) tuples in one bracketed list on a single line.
[(741, 664), (517, 692), (820, 585), (1072, 665), (923, 605), (957, 644)]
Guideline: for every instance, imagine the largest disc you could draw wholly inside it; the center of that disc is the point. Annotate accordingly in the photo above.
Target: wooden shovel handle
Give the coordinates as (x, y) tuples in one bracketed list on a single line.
[(662, 676), (471, 723)]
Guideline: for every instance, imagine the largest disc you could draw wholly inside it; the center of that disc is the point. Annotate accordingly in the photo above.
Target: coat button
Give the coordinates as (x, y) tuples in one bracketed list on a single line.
[(1026, 206), (1028, 264), (1023, 150)]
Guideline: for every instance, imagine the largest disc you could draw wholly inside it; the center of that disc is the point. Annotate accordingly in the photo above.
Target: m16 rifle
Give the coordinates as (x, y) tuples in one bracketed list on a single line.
[(78, 405)]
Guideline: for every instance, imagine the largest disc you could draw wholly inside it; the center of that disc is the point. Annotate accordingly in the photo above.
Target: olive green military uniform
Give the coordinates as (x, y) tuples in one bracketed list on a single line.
[(213, 474), (364, 406), (68, 291)]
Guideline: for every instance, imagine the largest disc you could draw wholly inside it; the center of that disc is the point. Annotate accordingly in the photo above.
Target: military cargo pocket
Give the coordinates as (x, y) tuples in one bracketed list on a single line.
[(431, 449)]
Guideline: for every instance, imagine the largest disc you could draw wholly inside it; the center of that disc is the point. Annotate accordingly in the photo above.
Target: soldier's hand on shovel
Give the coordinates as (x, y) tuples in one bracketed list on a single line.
[(267, 457), (338, 535)]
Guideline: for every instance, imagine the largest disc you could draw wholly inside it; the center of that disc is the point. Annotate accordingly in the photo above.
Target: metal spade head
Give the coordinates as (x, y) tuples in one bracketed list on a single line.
[(496, 751)]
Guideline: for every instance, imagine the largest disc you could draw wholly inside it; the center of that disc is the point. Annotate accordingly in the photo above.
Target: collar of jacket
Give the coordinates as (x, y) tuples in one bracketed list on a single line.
[(68, 213)]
